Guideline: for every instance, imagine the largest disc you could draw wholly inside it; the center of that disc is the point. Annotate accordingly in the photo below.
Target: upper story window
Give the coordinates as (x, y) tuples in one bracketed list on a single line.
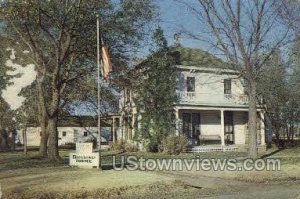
[(227, 86), (85, 133), (190, 84), (127, 95), (64, 133)]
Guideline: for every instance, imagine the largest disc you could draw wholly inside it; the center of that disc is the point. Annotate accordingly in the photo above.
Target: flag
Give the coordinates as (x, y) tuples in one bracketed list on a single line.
[(106, 63)]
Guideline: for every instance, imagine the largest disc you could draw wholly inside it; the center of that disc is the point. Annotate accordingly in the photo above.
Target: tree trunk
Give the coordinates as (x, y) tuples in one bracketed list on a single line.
[(14, 133), (252, 120), (4, 139), (43, 116), (53, 139), (277, 134), (25, 140), (293, 134), (44, 137), (43, 143)]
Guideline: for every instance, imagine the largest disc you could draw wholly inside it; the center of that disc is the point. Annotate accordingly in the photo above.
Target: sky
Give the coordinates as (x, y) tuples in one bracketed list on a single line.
[(174, 16), (27, 76)]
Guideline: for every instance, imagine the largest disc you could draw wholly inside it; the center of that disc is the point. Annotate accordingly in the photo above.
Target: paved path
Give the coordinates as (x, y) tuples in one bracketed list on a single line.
[(283, 191), (241, 190)]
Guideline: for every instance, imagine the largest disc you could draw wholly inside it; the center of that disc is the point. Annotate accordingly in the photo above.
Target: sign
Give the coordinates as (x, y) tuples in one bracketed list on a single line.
[(84, 157), (83, 148)]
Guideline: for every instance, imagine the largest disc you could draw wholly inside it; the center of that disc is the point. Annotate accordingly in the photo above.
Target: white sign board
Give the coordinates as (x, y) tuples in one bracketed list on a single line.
[(82, 148), (84, 156)]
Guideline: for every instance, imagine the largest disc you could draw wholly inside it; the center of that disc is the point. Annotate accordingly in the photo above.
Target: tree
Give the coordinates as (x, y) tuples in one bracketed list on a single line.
[(290, 12), (61, 39), (245, 33), (292, 107), (273, 88), (155, 93), (6, 114)]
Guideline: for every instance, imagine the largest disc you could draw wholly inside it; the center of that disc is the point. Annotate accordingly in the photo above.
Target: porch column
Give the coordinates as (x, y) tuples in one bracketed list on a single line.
[(133, 124), (122, 122), (262, 128), (222, 128), (177, 121), (113, 130)]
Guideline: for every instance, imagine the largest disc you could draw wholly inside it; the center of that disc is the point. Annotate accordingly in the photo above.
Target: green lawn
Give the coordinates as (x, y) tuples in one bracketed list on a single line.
[(16, 160), (25, 176)]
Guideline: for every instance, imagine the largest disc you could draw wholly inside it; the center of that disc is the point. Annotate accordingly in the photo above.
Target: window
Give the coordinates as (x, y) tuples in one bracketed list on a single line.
[(227, 86), (64, 133), (85, 133), (190, 84), (127, 95), (245, 86)]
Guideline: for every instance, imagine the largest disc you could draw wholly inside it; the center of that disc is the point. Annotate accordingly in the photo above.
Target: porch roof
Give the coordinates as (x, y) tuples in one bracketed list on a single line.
[(215, 107)]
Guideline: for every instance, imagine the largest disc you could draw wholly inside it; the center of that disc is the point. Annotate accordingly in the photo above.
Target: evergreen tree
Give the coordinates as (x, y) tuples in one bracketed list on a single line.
[(155, 96), (273, 88)]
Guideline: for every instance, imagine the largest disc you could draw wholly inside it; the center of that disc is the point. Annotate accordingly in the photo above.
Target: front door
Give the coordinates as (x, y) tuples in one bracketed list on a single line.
[(229, 130), (191, 127)]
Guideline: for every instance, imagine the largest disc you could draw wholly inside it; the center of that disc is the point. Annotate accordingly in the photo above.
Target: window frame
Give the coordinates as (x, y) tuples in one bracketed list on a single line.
[(190, 81), (227, 86)]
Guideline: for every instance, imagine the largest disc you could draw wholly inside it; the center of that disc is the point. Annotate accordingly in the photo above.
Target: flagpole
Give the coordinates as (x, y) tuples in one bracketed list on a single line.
[(98, 85)]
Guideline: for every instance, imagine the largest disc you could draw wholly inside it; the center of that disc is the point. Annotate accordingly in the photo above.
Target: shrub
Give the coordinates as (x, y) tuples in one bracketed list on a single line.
[(152, 147), (124, 147), (131, 147), (93, 140), (118, 146), (68, 145), (174, 144)]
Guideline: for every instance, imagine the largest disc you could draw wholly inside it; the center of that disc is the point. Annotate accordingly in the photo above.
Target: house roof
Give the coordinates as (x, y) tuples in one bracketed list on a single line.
[(197, 57), (185, 59), (208, 70), (82, 121)]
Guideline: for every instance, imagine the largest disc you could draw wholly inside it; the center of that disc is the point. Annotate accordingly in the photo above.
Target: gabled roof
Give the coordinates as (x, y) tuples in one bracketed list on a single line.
[(185, 58), (197, 57), (81, 121), (207, 70)]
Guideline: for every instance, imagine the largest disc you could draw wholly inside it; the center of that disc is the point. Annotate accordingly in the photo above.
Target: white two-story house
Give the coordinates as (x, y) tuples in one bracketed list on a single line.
[(212, 110)]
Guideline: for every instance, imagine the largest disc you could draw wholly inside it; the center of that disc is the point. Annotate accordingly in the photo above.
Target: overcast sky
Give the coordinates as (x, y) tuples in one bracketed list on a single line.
[(27, 76)]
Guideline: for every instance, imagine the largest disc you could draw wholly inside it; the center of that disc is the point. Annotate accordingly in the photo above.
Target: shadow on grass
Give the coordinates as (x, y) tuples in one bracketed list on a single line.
[(113, 167), (271, 153)]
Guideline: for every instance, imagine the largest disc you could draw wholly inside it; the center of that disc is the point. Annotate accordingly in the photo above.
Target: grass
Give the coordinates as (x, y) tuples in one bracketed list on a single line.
[(16, 160), (158, 190), (25, 176)]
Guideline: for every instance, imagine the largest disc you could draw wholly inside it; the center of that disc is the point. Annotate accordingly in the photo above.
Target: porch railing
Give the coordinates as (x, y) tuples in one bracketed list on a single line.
[(211, 98)]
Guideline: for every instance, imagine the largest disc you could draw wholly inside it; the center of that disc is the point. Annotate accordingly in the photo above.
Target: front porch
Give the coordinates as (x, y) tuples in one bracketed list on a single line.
[(217, 129)]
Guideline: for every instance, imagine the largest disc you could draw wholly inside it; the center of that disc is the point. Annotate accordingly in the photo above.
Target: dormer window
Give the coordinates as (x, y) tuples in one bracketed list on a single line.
[(190, 84), (227, 86)]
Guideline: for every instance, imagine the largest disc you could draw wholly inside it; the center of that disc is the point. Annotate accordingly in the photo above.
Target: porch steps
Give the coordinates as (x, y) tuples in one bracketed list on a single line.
[(200, 149)]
